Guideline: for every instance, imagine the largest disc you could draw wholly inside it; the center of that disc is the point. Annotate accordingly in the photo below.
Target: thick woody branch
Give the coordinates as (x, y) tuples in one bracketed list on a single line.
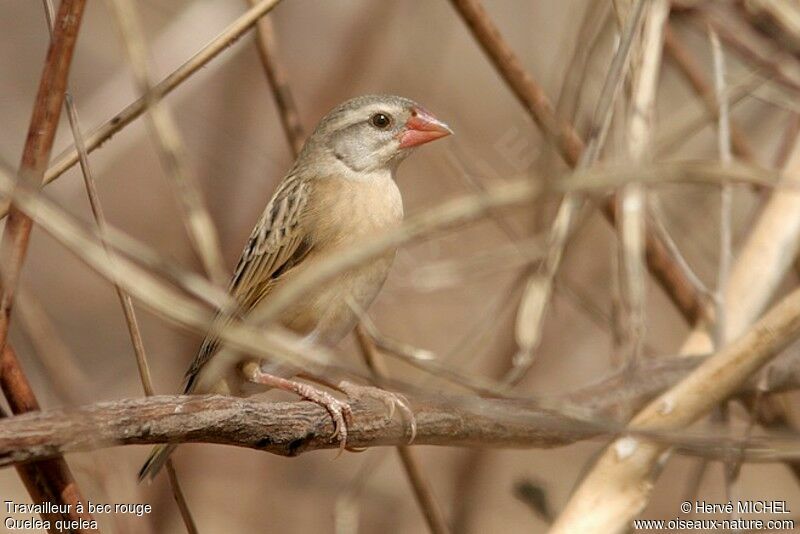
[(291, 428), (286, 429)]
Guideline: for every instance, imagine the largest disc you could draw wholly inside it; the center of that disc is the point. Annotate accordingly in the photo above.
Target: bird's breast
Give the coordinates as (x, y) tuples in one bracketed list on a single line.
[(343, 212)]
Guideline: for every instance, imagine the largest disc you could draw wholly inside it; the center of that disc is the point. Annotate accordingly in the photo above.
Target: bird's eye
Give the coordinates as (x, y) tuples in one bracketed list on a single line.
[(381, 120)]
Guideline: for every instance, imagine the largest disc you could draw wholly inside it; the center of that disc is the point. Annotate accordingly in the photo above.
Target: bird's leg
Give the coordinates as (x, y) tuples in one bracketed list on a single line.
[(392, 401), (340, 411)]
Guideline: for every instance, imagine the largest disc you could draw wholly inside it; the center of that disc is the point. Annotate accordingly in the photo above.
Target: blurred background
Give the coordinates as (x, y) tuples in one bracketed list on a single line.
[(448, 294)]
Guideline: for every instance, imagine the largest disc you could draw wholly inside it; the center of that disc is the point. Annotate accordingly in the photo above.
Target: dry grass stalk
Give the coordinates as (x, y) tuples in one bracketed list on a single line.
[(51, 481), (538, 105), (68, 158), (644, 79), (726, 192), (693, 72), (164, 131), (618, 486)]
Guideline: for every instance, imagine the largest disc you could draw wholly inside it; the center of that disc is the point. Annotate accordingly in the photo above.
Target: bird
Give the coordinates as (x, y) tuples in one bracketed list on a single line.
[(340, 191)]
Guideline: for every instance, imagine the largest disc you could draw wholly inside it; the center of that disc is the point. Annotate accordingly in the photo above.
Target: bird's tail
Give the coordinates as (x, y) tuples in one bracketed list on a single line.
[(158, 457)]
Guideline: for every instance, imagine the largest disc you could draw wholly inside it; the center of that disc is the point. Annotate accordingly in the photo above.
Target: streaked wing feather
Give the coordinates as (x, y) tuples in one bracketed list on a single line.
[(274, 246)]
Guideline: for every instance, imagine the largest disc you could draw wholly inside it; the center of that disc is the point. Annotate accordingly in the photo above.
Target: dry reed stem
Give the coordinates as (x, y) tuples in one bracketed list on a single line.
[(618, 486), (693, 72), (753, 47), (538, 105), (172, 152), (761, 265), (631, 224), (538, 292), (104, 132), (51, 481), (128, 311)]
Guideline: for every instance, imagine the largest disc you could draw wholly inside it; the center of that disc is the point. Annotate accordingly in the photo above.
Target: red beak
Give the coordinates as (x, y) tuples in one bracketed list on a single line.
[(422, 128)]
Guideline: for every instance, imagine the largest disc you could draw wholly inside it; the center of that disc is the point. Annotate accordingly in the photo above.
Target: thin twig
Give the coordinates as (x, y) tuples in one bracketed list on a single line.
[(693, 72), (94, 139), (419, 483), (50, 482), (278, 82), (538, 105), (617, 488), (164, 131)]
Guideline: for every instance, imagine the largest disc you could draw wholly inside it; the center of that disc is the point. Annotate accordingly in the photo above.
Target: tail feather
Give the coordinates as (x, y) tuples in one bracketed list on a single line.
[(158, 457)]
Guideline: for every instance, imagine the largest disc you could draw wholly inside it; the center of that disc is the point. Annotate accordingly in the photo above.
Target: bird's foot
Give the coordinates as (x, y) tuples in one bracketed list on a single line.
[(340, 411), (392, 401)]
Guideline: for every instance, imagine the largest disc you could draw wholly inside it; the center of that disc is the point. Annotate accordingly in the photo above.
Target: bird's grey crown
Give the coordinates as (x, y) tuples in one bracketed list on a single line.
[(344, 109)]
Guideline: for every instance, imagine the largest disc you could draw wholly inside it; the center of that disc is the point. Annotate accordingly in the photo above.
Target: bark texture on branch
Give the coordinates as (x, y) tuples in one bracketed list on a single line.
[(291, 428)]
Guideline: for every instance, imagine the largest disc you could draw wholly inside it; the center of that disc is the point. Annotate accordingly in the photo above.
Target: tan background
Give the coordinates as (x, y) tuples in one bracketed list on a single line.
[(334, 50)]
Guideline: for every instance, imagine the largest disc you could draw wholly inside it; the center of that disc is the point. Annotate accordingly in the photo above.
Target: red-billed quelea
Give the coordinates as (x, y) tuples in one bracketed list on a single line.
[(340, 191)]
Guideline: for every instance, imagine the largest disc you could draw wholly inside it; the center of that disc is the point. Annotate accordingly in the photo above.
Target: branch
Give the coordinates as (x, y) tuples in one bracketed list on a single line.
[(291, 428), (49, 481), (169, 144), (94, 139), (278, 83), (538, 105), (619, 484), (693, 72)]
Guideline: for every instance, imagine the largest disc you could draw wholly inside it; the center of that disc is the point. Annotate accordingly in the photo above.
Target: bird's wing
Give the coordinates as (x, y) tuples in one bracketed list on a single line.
[(275, 246)]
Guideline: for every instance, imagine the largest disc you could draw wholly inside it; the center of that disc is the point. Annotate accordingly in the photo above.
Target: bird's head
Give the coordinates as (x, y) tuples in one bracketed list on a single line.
[(375, 133)]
